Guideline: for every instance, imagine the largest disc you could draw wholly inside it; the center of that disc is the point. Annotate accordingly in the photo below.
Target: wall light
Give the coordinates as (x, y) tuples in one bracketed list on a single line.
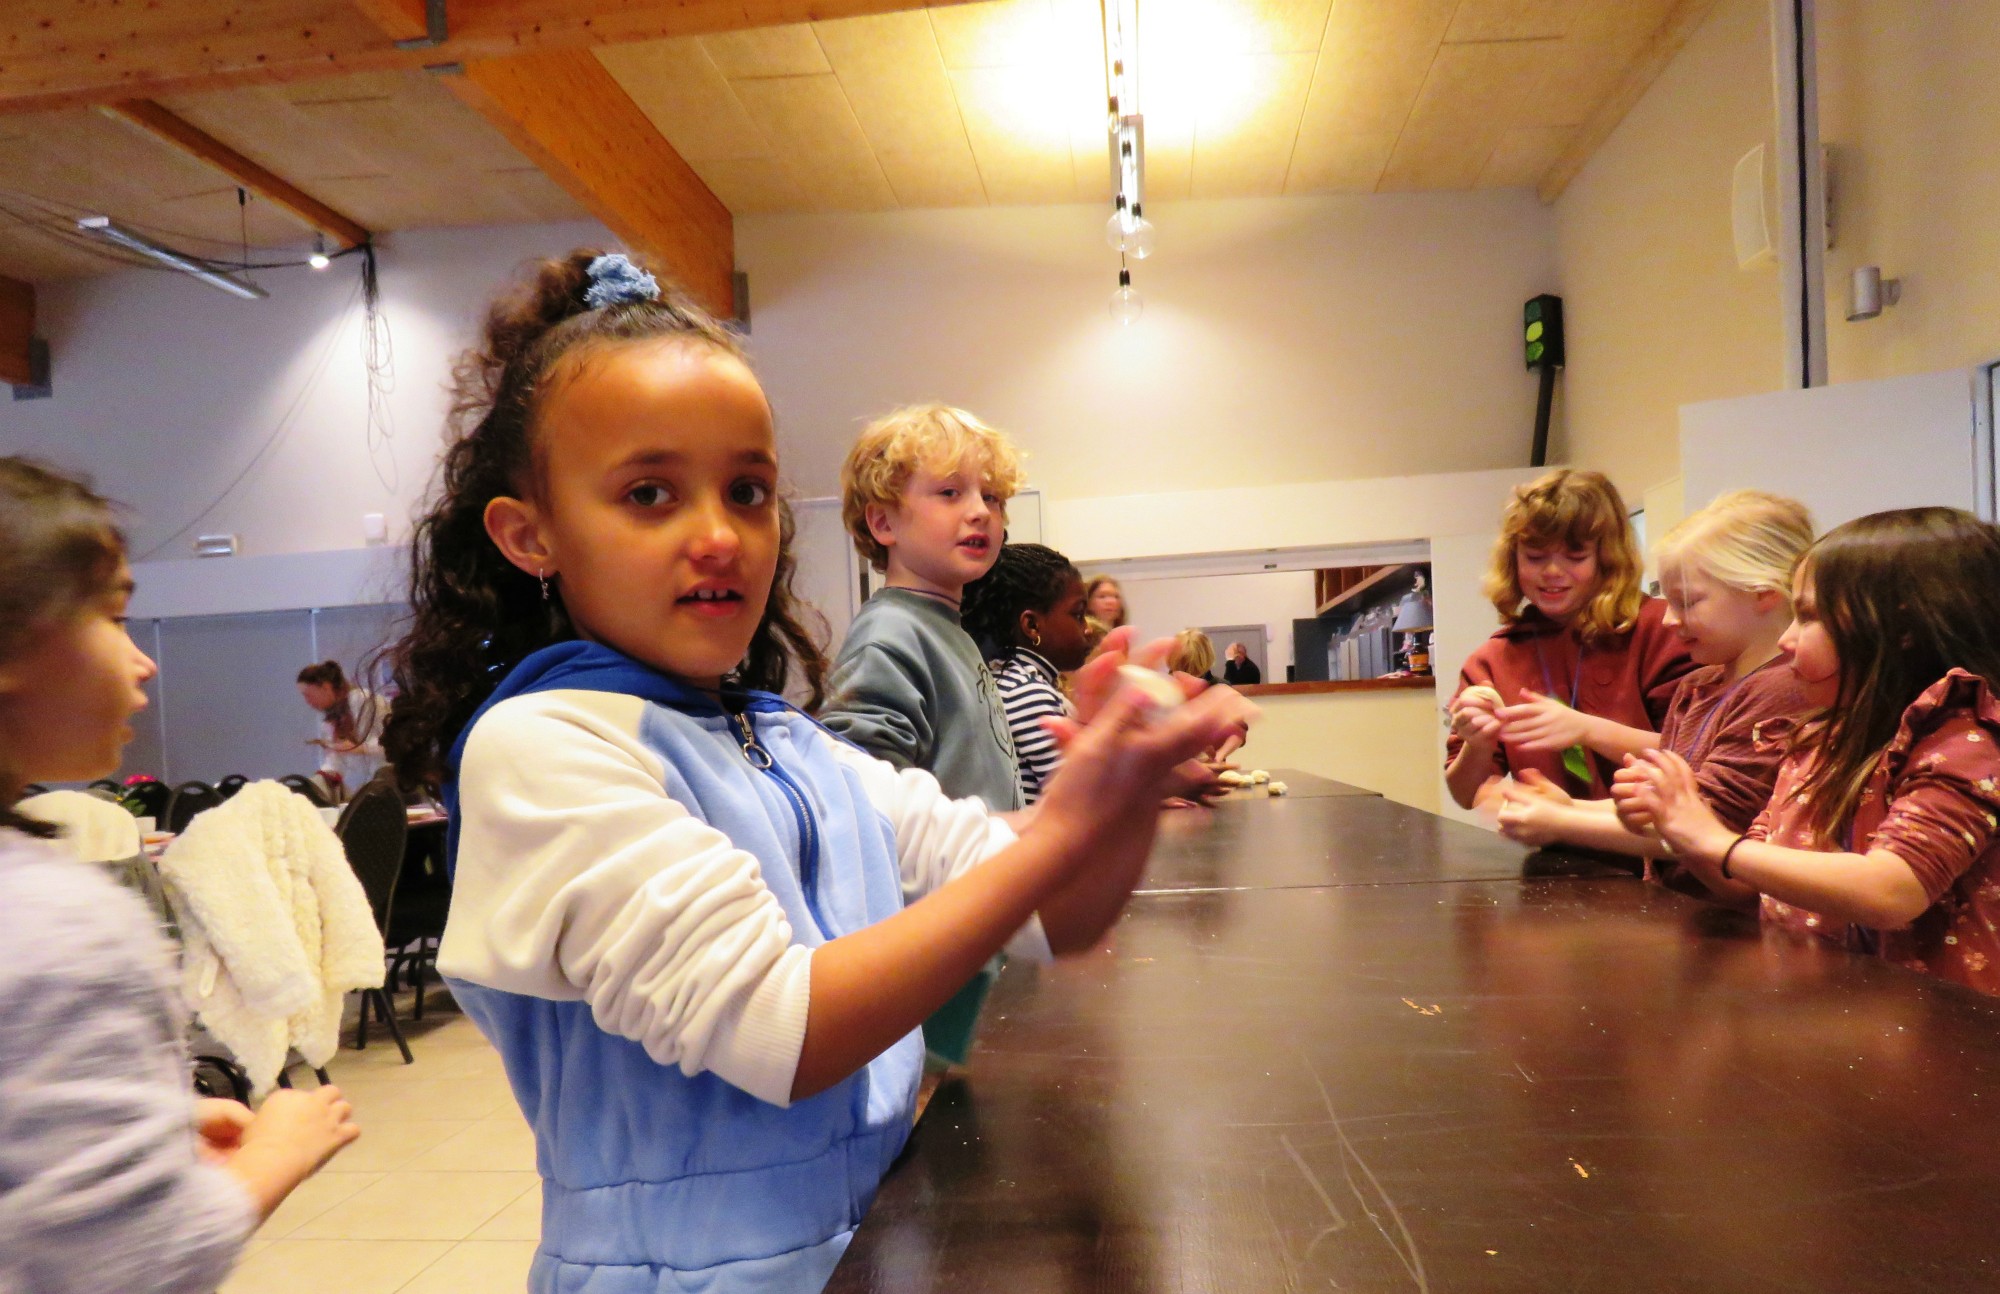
[(1868, 293)]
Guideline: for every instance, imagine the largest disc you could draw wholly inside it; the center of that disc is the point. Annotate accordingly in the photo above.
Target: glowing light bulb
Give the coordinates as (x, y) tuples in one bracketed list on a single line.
[(1126, 303), (1130, 235), (319, 260)]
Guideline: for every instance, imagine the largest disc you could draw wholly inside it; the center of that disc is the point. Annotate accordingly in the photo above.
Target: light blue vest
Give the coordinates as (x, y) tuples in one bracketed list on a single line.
[(654, 1182)]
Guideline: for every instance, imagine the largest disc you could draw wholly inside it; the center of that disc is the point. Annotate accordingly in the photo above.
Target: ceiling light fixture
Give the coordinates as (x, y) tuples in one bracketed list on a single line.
[(319, 260), (1128, 231), (107, 230)]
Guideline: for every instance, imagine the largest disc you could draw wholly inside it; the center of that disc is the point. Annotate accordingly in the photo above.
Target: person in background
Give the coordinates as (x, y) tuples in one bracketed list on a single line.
[(350, 727), (1727, 573), (701, 931), (1105, 603), (1238, 670), (924, 495), (1583, 665), (1193, 653), (1027, 614), (114, 1179), (1883, 832)]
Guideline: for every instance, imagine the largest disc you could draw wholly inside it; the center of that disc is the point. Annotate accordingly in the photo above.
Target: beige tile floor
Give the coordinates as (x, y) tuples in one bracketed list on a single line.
[(439, 1194)]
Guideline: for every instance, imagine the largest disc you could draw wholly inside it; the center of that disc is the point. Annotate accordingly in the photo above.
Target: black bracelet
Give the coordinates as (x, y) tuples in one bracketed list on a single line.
[(1727, 852)]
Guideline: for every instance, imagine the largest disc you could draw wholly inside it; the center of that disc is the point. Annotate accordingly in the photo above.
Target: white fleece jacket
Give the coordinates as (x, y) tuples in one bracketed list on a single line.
[(275, 928)]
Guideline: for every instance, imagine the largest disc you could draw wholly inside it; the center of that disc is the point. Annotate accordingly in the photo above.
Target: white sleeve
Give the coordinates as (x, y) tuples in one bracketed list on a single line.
[(938, 838), (578, 878)]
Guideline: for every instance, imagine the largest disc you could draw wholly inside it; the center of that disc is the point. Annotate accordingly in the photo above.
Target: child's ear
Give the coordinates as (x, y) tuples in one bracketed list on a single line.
[(881, 519), (515, 527)]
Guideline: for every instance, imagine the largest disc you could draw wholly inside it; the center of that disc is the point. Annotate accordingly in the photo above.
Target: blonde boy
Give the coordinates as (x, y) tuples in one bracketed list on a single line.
[(924, 494)]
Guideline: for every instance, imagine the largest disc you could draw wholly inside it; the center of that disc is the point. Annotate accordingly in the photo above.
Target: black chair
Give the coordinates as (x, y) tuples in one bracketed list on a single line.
[(147, 800), (33, 788), (229, 786), (300, 784), (423, 901), (189, 798), (371, 830), (117, 789)]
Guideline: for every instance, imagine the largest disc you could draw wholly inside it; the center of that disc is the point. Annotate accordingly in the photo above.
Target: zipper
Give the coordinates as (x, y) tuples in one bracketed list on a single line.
[(761, 760)]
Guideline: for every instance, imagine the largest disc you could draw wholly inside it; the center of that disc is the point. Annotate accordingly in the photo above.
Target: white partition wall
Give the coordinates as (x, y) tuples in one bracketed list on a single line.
[(1844, 450)]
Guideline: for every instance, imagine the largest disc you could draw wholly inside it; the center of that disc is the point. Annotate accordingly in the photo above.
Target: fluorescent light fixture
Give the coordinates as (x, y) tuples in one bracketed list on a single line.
[(107, 230), (215, 546)]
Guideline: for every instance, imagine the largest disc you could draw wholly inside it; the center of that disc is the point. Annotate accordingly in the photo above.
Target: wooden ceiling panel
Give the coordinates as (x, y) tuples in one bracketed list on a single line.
[(947, 178), (1523, 155), (1471, 93), (895, 81), (800, 105), (682, 92), (1000, 33), (817, 136), (1020, 133), (396, 150), (1483, 20), (1244, 137), (767, 51), (1603, 42), (750, 186)]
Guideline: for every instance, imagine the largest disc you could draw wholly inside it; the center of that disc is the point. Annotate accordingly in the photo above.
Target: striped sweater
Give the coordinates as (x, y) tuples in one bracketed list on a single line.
[(1028, 694)]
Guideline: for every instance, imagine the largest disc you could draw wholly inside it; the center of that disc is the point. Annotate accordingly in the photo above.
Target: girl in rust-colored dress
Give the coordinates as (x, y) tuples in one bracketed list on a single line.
[(1883, 832), (1583, 665)]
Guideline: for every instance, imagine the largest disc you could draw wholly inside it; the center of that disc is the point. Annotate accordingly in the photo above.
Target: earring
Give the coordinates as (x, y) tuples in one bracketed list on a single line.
[(545, 585), (1034, 636)]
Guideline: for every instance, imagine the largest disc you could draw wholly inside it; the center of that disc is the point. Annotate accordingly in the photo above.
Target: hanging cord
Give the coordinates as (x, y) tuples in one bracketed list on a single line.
[(378, 360)]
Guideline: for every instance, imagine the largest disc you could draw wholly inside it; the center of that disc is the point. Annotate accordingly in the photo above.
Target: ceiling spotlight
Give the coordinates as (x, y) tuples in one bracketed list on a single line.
[(319, 260)]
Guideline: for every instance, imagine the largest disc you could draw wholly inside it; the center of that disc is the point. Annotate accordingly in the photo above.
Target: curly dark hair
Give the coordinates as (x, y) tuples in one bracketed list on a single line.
[(1026, 577), (475, 615)]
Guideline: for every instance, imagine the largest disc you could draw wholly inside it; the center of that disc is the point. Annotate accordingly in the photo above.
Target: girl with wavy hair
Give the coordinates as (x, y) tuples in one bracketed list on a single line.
[(701, 931), (1583, 666)]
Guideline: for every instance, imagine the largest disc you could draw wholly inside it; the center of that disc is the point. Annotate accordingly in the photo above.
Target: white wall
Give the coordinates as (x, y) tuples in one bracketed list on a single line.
[(1656, 312), (1293, 339), (1161, 607), (207, 414)]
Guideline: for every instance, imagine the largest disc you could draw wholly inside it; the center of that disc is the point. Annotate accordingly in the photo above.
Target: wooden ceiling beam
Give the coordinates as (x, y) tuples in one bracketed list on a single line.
[(266, 184), (568, 115), (97, 54), (17, 332)]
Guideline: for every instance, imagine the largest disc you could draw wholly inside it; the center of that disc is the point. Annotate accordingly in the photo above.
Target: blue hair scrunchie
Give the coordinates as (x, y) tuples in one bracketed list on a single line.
[(616, 281)]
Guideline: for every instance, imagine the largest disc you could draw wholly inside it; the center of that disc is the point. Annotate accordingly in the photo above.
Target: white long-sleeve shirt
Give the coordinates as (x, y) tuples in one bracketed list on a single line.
[(580, 878)]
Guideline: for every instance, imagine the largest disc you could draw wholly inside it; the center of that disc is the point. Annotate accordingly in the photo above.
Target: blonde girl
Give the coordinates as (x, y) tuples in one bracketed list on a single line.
[(1727, 574)]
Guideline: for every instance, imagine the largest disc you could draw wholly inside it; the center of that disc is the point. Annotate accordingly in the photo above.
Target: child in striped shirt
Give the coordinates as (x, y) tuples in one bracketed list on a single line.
[(1029, 616)]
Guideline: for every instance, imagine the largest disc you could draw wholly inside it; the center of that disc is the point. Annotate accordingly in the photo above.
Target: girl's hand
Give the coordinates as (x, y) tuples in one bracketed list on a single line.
[(1542, 723), (291, 1137), (1666, 790), (219, 1125), (1527, 818), (1628, 796), (1531, 782), (1473, 720)]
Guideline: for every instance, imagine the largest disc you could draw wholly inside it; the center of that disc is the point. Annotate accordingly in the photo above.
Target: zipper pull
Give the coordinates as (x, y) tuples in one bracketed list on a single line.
[(759, 757)]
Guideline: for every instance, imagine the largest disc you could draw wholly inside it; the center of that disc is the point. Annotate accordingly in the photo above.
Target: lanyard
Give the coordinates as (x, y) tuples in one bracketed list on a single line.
[(1576, 680), (1715, 711)]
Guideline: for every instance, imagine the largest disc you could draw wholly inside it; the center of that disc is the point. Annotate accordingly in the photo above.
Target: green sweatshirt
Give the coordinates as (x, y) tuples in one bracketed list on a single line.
[(909, 687)]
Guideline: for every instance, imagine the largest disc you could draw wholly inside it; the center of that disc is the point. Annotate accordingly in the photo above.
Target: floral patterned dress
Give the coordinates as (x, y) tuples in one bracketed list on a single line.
[(1934, 802)]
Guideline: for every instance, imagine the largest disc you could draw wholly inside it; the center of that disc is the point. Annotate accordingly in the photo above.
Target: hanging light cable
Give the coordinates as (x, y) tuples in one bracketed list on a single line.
[(1128, 231)]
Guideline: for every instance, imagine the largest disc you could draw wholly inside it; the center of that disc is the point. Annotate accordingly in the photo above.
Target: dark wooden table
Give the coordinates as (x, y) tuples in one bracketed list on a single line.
[(1554, 1080)]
